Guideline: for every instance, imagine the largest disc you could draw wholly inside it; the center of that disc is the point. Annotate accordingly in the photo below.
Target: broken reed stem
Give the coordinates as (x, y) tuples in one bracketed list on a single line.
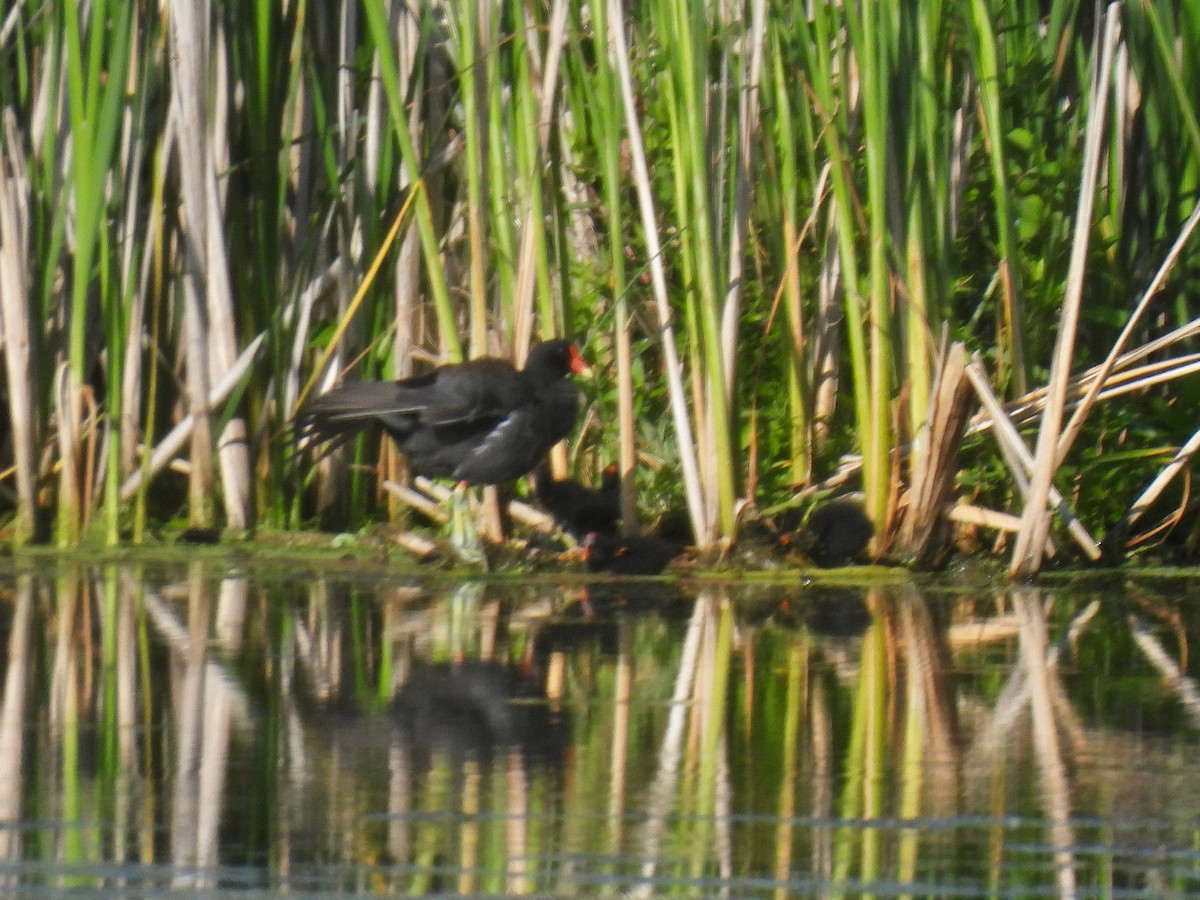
[(418, 501), (1016, 414), (1076, 423), (165, 452), (1156, 487), (1020, 460), (420, 547), (970, 514), (520, 511), (923, 533), (1025, 410)]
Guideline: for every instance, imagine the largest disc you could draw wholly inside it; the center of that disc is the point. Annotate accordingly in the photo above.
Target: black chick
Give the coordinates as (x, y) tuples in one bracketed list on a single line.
[(645, 554), (580, 510), (836, 533)]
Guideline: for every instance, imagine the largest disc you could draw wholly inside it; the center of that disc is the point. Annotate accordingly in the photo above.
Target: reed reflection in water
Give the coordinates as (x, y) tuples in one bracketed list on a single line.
[(202, 728)]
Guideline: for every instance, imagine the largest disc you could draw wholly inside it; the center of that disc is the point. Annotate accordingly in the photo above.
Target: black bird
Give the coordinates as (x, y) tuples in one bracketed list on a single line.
[(479, 422), (836, 533), (580, 510), (645, 554)]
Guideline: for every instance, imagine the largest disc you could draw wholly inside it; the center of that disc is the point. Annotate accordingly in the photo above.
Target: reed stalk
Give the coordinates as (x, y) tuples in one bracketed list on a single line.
[(189, 102), (700, 179), (97, 53), (986, 51), (20, 344), (607, 127), (126, 324), (156, 232), (534, 132), (121, 299), (827, 75), (874, 54), (511, 140), (377, 23), (474, 37), (807, 195), (697, 510), (1035, 524), (787, 129)]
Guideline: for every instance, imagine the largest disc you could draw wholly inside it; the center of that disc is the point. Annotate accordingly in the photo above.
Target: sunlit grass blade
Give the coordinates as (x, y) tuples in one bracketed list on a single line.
[(988, 75), (97, 53), (398, 119)]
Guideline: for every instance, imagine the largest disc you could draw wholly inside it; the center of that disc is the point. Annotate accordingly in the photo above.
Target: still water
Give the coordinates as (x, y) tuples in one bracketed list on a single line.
[(212, 728)]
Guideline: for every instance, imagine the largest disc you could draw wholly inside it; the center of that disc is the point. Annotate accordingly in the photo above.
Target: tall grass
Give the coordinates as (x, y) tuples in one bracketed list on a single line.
[(97, 53), (741, 207)]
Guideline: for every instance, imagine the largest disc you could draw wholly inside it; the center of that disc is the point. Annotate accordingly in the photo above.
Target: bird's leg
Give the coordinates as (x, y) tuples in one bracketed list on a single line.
[(464, 539)]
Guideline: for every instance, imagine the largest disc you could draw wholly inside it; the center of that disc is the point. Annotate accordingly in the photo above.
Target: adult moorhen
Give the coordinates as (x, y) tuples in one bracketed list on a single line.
[(578, 509), (479, 422)]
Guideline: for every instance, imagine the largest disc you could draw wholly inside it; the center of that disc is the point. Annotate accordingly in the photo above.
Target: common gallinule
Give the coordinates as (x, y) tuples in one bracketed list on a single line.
[(645, 554), (479, 422), (578, 509)]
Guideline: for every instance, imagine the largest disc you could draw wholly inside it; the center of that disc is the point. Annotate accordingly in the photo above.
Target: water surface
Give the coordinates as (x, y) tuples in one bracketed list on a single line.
[(219, 727)]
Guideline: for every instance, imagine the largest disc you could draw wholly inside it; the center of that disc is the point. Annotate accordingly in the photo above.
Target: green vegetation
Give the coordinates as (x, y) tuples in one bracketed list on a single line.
[(762, 222)]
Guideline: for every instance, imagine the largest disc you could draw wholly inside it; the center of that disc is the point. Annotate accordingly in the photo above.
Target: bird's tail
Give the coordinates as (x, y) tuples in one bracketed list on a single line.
[(345, 411)]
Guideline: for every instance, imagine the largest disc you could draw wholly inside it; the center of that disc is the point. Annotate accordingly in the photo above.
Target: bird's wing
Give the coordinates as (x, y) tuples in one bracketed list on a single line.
[(508, 449), (479, 390), (354, 400)]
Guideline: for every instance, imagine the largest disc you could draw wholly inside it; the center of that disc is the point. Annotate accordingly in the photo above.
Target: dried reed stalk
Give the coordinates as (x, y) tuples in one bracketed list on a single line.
[(970, 514), (1020, 461), (18, 335), (924, 533), (1182, 458), (701, 521), (1035, 521), (189, 39), (170, 445), (526, 267)]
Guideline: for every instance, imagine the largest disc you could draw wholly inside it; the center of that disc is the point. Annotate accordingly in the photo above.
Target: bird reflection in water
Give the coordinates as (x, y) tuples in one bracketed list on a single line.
[(473, 709), (459, 730)]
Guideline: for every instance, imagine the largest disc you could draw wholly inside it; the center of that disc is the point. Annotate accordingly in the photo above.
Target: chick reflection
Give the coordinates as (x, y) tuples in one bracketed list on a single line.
[(830, 611), (471, 710)]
